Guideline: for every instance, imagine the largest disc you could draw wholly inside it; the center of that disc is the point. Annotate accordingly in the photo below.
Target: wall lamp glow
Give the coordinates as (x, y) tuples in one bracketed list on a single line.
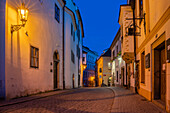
[(23, 15)]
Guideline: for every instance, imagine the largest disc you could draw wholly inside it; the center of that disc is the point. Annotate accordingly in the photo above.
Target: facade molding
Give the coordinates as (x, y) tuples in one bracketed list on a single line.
[(81, 22), (162, 21), (71, 13)]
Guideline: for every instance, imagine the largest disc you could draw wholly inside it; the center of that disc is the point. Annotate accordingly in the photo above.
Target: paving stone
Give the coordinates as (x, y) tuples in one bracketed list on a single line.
[(126, 101), (86, 100)]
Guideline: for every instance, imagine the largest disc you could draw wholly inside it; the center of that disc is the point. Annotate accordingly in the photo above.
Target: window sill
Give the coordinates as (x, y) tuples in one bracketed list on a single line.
[(143, 84)]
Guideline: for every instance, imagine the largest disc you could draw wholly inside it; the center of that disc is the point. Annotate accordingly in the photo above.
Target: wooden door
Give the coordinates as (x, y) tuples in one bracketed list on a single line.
[(163, 75), (55, 74), (122, 74)]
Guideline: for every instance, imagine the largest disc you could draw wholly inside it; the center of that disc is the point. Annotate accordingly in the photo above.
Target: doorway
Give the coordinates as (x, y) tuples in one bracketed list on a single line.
[(73, 81), (79, 80), (56, 69), (122, 74), (128, 76), (160, 72)]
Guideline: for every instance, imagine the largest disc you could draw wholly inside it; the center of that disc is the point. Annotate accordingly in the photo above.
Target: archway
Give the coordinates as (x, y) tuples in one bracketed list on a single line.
[(56, 69)]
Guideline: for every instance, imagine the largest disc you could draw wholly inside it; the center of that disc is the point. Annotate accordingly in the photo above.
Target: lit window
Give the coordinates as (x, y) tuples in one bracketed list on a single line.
[(34, 61)]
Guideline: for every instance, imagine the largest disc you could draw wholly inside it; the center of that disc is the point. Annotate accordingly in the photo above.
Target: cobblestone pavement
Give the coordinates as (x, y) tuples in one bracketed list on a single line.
[(127, 102), (87, 100), (83, 100)]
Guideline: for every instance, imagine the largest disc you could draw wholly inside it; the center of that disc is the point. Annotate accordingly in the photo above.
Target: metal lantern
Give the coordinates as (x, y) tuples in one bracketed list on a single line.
[(23, 14)]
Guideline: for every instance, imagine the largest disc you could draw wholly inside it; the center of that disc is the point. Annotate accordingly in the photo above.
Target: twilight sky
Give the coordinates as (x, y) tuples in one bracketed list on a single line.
[(100, 20)]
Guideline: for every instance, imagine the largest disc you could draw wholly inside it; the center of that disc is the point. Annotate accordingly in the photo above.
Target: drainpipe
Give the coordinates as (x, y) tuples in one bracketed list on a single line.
[(64, 45), (133, 8)]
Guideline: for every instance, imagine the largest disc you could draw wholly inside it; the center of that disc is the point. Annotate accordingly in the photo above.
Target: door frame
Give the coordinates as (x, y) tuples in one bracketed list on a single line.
[(56, 62), (122, 75), (156, 43)]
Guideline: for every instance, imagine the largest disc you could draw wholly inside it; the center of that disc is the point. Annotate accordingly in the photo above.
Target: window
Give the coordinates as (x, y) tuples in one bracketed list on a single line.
[(113, 53), (34, 61), (141, 8), (100, 70), (143, 67), (78, 33), (57, 13), (72, 29), (117, 49), (83, 59), (73, 36), (117, 77), (120, 47), (72, 32), (72, 56), (78, 51)]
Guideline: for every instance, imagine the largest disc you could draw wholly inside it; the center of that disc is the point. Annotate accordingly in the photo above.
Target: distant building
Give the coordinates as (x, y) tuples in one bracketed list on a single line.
[(103, 71), (118, 66), (89, 57)]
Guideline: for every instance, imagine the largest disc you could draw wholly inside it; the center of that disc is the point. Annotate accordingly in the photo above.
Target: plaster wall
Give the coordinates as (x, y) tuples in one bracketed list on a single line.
[(106, 71), (68, 62), (100, 74), (118, 63), (43, 32), (157, 9), (158, 24), (71, 45), (148, 72)]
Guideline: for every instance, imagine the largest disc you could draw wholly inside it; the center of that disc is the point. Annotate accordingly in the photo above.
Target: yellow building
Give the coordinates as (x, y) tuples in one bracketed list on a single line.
[(103, 72), (152, 75)]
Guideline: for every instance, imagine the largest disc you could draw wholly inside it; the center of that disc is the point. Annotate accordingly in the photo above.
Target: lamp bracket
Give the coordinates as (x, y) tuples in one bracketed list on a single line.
[(16, 27), (144, 18)]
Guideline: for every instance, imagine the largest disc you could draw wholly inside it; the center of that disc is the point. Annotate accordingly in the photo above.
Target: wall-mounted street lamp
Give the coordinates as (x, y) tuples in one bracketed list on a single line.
[(84, 66), (23, 15)]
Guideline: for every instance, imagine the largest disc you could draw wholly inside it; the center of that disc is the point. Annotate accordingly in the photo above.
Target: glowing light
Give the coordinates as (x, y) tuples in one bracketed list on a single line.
[(23, 13)]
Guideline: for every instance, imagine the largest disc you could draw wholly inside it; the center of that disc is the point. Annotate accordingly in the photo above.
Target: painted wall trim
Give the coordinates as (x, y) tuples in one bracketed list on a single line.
[(165, 17)]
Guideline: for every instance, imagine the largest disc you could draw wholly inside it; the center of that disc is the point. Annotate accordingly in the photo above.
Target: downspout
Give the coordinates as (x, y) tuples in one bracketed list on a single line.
[(134, 33), (64, 45)]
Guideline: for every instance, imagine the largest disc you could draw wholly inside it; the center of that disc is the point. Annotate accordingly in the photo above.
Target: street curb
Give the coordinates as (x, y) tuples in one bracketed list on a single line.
[(35, 97)]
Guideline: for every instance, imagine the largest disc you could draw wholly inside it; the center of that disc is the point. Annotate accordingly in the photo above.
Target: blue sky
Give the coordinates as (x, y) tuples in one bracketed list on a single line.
[(100, 20)]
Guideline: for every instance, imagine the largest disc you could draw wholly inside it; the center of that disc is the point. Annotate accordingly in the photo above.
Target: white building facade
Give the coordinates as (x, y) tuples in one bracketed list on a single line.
[(118, 68), (32, 57), (73, 44)]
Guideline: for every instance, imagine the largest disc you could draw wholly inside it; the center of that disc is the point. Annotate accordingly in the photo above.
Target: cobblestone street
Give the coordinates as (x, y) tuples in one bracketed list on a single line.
[(86, 100)]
